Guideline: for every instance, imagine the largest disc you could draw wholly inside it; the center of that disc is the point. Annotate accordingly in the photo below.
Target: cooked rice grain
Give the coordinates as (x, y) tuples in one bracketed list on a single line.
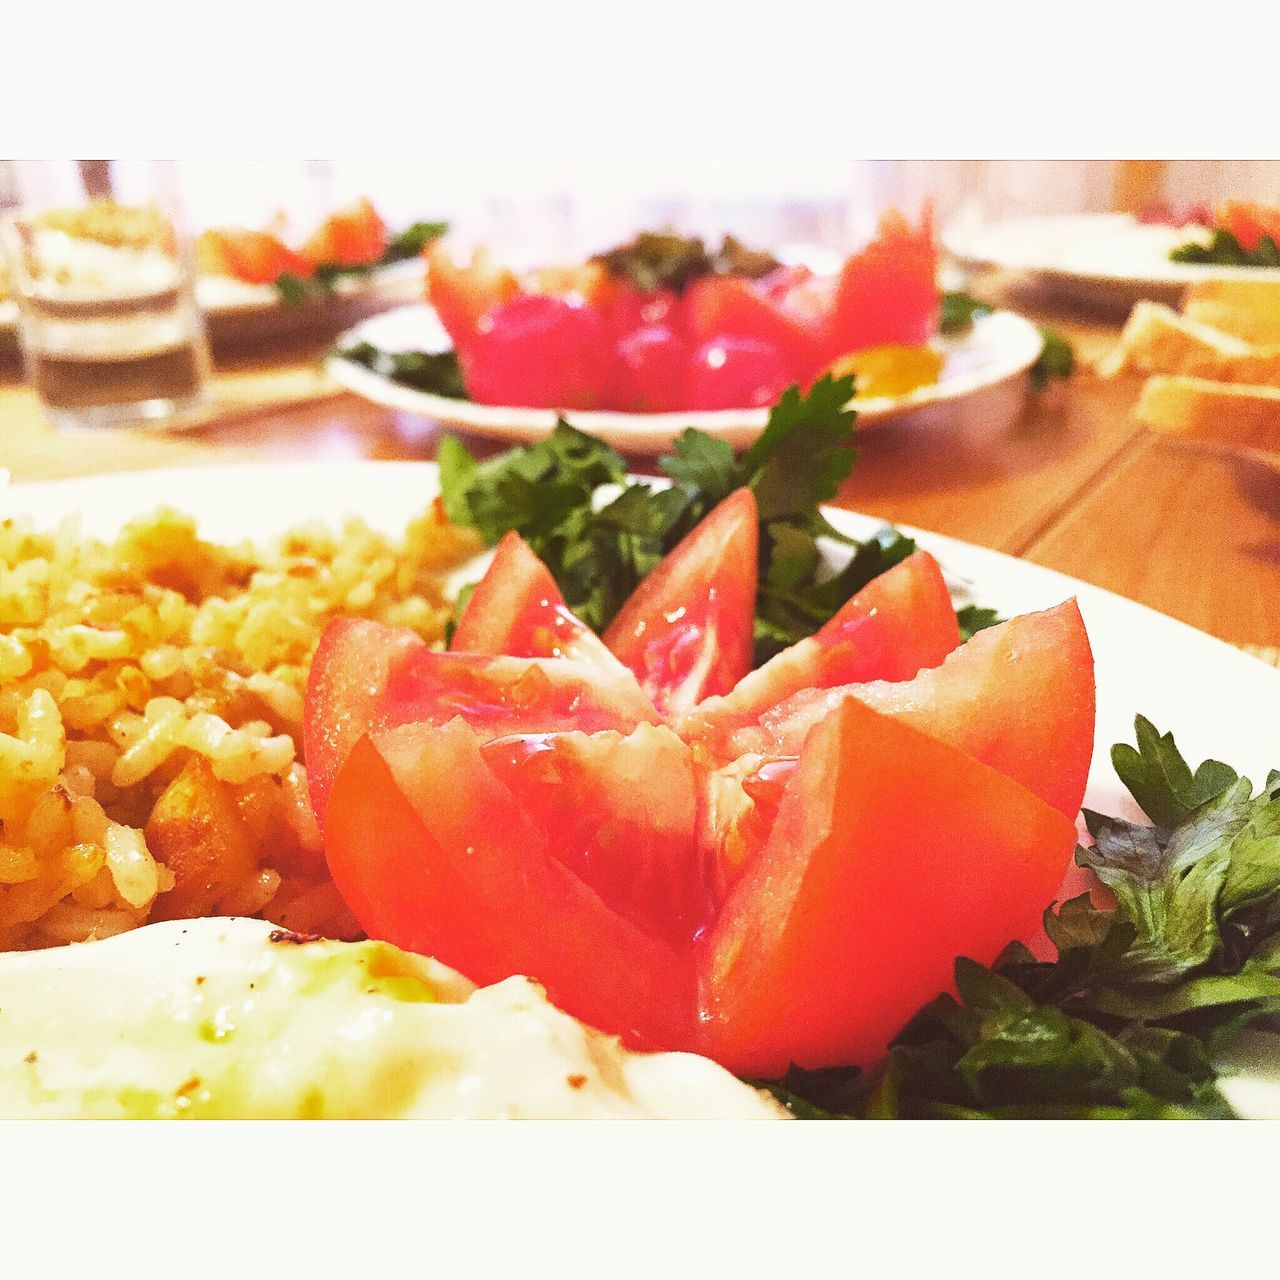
[(122, 663)]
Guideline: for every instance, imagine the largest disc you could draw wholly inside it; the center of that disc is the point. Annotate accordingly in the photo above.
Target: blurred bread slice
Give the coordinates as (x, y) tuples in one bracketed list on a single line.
[(1248, 309), (1246, 417), (1156, 339)]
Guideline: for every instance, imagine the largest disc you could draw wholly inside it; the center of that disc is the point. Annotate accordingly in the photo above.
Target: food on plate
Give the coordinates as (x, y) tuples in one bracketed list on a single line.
[(1208, 382), (672, 864), (663, 324), (230, 1018), (351, 242), (151, 716), (1242, 233)]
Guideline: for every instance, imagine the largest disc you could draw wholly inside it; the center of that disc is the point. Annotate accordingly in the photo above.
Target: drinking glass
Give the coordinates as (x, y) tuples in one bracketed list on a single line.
[(104, 275)]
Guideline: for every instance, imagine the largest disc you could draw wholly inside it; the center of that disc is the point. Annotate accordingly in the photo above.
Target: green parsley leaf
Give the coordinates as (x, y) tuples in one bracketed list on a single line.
[(656, 260), (1159, 779), (959, 311), (410, 242), (1225, 250), (1057, 359), (435, 371), (293, 290), (974, 618)]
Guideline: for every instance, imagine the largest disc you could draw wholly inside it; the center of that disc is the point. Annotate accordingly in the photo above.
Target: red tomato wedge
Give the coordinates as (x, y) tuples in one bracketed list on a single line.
[(888, 293), (686, 632), (720, 306), (366, 677), (435, 852), (255, 257), (892, 854), (896, 625), (463, 294), (352, 237), (1018, 696), (517, 609)]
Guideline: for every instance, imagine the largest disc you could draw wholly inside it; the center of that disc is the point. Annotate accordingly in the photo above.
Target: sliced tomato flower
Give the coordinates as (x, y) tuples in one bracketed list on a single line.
[(768, 868)]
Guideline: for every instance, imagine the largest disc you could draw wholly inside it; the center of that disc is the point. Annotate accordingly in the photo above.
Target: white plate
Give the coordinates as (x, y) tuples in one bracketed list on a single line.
[(239, 313), (1109, 259), (998, 347), (1216, 700)]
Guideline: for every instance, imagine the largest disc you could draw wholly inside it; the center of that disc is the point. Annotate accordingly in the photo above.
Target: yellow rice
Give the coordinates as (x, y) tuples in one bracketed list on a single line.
[(151, 694)]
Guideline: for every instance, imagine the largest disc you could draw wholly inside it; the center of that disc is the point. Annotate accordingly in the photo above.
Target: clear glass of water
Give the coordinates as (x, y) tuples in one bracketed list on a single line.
[(104, 274)]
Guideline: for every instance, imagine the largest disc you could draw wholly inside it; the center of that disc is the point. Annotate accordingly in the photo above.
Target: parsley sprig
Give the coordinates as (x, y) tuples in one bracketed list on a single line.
[(599, 546), (295, 291), (1132, 1018), (1225, 250)]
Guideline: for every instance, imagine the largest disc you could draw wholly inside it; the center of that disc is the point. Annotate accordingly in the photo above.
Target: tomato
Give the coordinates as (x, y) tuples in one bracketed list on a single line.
[(516, 609), (891, 855), (888, 292), (896, 625), (735, 373), (1032, 677), (463, 295), (539, 352), (652, 362), (255, 257), (433, 851), (1249, 221), (763, 883), (731, 306), (366, 677), (627, 308), (686, 632), (352, 237)]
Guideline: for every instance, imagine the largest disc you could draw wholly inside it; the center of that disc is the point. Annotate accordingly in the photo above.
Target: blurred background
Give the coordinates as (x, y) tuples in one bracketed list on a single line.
[(543, 211)]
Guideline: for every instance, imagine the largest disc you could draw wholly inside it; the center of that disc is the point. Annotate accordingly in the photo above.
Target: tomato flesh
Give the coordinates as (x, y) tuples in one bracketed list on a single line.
[(892, 854), (433, 852), (1032, 677), (256, 257), (463, 294), (366, 677), (516, 609), (898, 624), (686, 632), (539, 352), (351, 237), (888, 292)]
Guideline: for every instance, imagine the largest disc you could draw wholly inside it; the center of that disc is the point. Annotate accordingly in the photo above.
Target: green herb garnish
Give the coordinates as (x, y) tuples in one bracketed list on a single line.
[(656, 260), (1225, 250), (959, 311), (295, 291), (1133, 1017), (433, 371), (1057, 359)]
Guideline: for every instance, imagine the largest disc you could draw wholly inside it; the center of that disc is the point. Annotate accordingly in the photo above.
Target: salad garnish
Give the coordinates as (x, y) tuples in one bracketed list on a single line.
[(654, 260), (1133, 1016), (599, 533)]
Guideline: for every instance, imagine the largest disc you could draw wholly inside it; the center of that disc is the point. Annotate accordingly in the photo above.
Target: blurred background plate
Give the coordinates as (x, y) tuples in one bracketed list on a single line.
[(998, 348), (1103, 259)]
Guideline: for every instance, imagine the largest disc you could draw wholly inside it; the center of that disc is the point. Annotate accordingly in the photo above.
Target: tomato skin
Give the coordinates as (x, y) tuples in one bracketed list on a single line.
[(809, 961), (686, 631), (898, 624), (366, 677), (888, 292), (652, 364), (539, 352), (256, 257), (516, 609), (627, 308), (477, 885), (463, 294), (735, 373), (1032, 679), (731, 306), (351, 237)]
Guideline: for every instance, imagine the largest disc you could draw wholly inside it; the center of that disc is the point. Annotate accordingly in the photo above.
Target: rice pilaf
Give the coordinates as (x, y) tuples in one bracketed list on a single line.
[(151, 693)]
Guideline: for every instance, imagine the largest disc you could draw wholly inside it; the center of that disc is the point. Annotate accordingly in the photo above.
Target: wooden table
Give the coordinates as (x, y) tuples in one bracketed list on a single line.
[(1065, 479)]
